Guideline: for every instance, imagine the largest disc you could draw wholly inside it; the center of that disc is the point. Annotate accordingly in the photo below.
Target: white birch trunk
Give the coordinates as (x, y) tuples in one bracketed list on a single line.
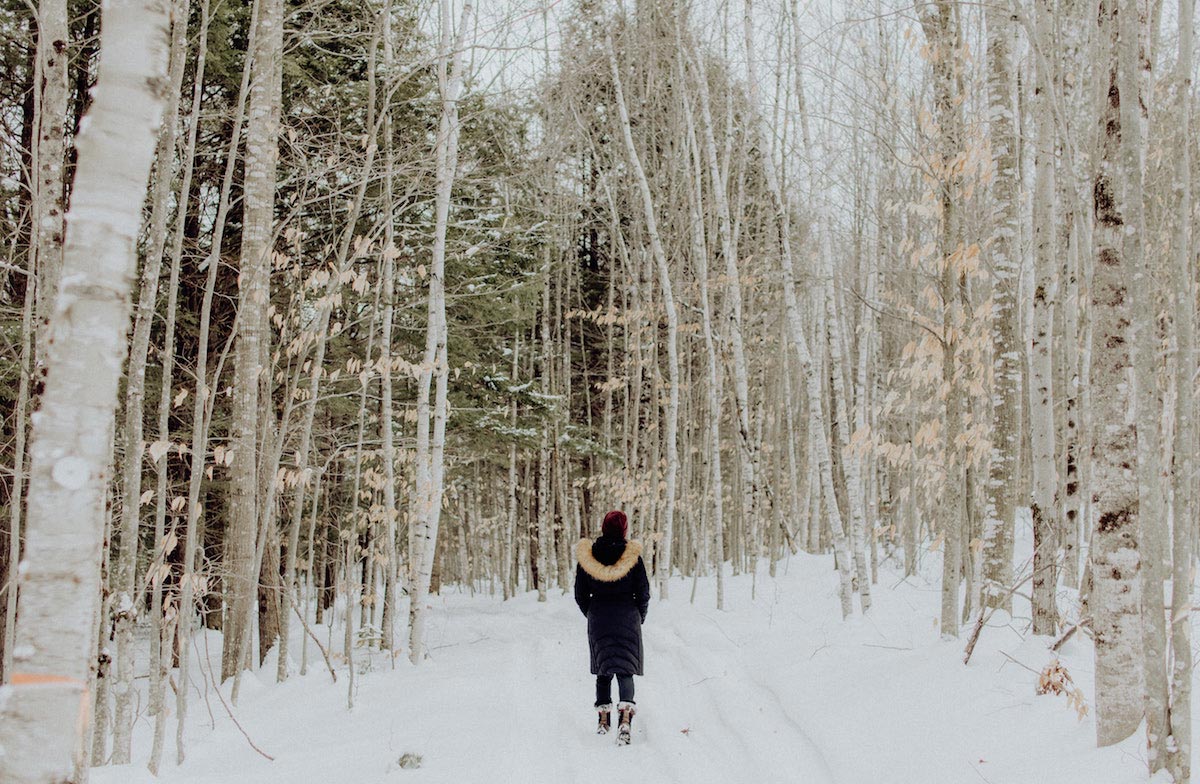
[(429, 467), (47, 205), (717, 179), (48, 159), (800, 493), (44, 720), (1000, 521), (203, 398), (713, 378), (1135, 91), (127, 601), (509, 572), (386, 404), (162, 634), (1073, 115), (941, 28), (804, 357), (851, 457), (814, 153), (262, 150), (1069, 502), (1179, 744), (161, 649), (1041, 403), (17, 493), (663, 563), (1115, 558)]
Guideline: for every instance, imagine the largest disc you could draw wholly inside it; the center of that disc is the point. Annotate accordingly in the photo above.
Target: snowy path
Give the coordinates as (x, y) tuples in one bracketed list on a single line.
[(772, 691), (507, 697)]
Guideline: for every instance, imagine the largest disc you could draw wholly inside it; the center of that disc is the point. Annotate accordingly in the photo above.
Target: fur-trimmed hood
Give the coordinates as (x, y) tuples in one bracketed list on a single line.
[(608, 573)]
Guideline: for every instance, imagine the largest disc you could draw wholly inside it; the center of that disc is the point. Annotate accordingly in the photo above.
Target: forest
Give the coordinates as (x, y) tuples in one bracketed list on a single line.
[(329, 328)]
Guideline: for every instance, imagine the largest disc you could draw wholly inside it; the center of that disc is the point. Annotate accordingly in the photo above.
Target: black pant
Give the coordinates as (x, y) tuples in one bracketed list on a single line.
[(604, 688)]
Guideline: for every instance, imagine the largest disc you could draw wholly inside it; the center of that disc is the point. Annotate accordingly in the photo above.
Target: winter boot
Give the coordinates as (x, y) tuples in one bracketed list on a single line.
[(625, 711), (605, 712)]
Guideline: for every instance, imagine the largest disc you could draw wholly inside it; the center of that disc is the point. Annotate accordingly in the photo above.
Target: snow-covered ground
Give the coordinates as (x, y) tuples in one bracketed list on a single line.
[(777, 689)]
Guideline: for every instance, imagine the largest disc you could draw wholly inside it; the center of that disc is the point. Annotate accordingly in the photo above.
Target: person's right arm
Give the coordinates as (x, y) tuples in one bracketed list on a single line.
[(642, 588)]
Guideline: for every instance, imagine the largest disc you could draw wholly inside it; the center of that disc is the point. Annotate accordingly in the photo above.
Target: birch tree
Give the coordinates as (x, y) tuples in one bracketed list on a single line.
[(386, 402), (126, 605), (941, 27), (431, 421), (835, 339), (47, 153), (203, 397), (1133, 68), (1000, 522), (162, 649), (44, 720), (1116, 592), (713, 385), (1041, 403), (262, 151), (1183, 300), (48, 157), (664, 280), (718, 184), (799, 341)]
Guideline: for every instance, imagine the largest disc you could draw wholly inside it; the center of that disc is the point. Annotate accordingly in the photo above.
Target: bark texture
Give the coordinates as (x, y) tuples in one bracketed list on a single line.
[(1041, 389), (1115, 557), (1179, 744), (1000, 519), (431, 422), (262, 152), (44, 720)]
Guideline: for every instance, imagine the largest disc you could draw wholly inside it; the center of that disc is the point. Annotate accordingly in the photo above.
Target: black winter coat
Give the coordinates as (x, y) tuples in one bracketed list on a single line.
[(613, 591)]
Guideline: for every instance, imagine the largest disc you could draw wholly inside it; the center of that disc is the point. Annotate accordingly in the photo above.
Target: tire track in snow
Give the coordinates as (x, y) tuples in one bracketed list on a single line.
[(716, 751), (672, 707), (786, 751)]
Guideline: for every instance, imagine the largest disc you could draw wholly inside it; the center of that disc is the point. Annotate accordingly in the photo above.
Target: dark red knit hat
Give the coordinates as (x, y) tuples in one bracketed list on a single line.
[(615, 525)]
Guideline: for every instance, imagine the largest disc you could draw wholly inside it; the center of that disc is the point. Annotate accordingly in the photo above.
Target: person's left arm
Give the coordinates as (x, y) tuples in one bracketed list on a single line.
[(641, 590)]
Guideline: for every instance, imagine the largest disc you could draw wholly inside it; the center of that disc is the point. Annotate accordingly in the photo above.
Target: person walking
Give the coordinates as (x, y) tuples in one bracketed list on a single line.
[(612, 590)]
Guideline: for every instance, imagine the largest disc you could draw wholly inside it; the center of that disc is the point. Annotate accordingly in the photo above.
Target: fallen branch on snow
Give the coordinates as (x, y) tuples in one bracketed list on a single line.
[(1069, 633)]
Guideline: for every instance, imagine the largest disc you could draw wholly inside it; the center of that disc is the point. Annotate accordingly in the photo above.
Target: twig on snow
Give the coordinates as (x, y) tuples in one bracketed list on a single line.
[(1019, 663), (983, 618), (229, 711), (309, 631), (888, 647), (1069, 633)]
